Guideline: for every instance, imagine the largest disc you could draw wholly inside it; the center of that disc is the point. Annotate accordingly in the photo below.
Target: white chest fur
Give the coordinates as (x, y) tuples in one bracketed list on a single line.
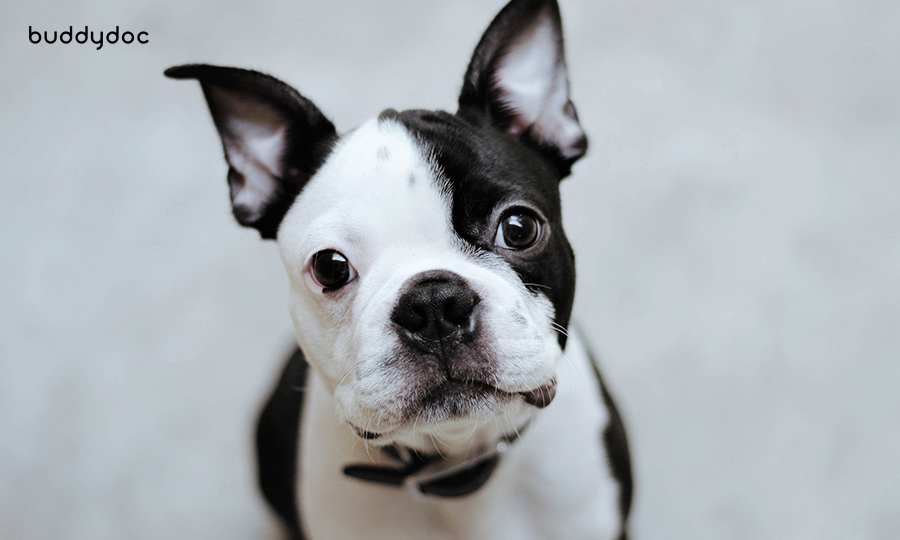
[(553, 483)]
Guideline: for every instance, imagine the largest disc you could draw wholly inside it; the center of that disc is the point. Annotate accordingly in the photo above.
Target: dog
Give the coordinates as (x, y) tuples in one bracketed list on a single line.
[(437, 391)]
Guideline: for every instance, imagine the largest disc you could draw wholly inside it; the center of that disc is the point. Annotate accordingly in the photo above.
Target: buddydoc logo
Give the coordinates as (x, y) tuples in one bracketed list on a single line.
[(81, 37)]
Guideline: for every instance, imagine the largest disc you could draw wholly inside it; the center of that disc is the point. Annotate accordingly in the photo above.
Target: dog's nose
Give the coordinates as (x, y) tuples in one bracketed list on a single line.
[(436, 305)]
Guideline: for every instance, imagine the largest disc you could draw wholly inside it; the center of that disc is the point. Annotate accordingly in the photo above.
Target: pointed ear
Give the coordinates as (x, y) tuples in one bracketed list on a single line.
[(274, 139), (517, 82)]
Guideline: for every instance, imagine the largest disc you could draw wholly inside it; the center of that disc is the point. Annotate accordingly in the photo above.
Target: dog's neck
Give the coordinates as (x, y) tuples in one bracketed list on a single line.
[(457, 441), (435, 475)]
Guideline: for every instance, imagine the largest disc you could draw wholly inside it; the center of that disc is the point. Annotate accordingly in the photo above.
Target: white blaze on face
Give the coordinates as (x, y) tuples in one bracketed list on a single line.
[(378, 200)]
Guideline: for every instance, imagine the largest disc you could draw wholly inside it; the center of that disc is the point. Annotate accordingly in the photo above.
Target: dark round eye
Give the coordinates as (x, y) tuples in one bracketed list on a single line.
[(331, 269), (518, 230)]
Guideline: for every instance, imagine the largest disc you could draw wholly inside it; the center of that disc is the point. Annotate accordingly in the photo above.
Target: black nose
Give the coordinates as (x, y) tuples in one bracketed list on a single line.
[(436, 305)]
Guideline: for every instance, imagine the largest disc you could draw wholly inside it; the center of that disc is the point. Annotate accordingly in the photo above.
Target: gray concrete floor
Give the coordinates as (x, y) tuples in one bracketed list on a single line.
[(736, 227)]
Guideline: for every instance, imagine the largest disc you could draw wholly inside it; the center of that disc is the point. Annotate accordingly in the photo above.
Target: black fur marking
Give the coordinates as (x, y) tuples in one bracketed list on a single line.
[(310, 135), (277, 440), (615, 441), (485, 169)]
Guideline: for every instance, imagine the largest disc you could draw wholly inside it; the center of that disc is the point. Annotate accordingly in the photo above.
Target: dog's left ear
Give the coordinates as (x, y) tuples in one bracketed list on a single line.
[(517, 82), (274, 140)]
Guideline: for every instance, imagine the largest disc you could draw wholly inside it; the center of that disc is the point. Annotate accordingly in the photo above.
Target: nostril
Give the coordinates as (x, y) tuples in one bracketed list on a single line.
[(410, 315), (458, 309)]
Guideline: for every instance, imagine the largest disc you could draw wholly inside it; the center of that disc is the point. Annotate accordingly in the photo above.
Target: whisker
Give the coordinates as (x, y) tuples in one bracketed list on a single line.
[(559, 328), (436, 446), (538, 285)]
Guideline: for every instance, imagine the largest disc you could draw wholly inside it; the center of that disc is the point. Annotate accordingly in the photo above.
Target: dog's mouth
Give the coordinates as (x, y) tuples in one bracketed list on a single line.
[(541, 396), (459, 398), (456, 399)]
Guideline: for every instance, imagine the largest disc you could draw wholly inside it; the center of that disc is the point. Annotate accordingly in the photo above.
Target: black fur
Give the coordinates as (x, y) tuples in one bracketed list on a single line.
[(276, 443), (309, 140)]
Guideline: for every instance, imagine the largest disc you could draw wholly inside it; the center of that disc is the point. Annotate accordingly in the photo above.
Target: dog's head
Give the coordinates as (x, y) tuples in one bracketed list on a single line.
[(431, 281)]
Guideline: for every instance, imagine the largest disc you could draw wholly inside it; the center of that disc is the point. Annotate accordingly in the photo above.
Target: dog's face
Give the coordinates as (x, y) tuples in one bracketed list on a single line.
[(428, 287), (431, 280)]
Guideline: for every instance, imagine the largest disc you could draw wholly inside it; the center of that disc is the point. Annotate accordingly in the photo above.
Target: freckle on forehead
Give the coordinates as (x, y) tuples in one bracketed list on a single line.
[(383, 154), (412, 180)]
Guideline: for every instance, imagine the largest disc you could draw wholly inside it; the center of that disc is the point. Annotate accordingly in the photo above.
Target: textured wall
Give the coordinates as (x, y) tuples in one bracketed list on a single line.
[(735, 223)]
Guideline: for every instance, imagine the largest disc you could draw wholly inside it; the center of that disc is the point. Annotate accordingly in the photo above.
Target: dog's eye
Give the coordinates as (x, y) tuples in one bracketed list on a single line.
[(518, 230), (331, 269)]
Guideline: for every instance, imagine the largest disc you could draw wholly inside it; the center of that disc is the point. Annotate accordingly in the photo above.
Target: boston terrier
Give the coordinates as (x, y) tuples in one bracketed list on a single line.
[(437, 391)]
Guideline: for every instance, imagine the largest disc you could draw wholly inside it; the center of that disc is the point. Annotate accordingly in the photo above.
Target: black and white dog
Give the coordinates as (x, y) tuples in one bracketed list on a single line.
[(431, 289)]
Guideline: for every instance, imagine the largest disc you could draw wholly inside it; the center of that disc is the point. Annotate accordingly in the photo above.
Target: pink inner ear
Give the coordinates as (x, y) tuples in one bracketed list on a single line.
[(518, 126), (531, 80)]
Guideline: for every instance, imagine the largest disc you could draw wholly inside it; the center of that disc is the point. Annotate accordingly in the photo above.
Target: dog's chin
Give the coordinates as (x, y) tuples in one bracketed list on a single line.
[(451, 402), (457, 400), (462, 407)]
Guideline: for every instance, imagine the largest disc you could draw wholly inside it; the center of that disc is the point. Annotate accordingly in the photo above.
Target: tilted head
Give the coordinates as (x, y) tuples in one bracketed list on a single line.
[(431, 281)]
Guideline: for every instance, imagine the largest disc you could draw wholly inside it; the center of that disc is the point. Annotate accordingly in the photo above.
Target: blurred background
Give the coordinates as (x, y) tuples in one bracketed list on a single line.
[(735, 222)]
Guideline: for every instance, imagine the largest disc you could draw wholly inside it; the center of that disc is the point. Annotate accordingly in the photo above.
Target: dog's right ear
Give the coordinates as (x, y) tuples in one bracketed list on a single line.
[(274, 140)]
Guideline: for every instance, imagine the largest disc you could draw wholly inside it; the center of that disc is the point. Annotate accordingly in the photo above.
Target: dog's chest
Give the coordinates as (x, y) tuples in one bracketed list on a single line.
[(555, 483)]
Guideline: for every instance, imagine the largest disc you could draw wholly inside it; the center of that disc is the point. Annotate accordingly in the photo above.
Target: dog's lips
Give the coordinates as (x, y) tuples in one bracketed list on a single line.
[(456, 398), (363, 434), (541, 396)]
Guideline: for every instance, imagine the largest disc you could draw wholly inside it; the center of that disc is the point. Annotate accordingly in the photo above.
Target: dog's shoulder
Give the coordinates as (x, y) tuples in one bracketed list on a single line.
[(276, 442)]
